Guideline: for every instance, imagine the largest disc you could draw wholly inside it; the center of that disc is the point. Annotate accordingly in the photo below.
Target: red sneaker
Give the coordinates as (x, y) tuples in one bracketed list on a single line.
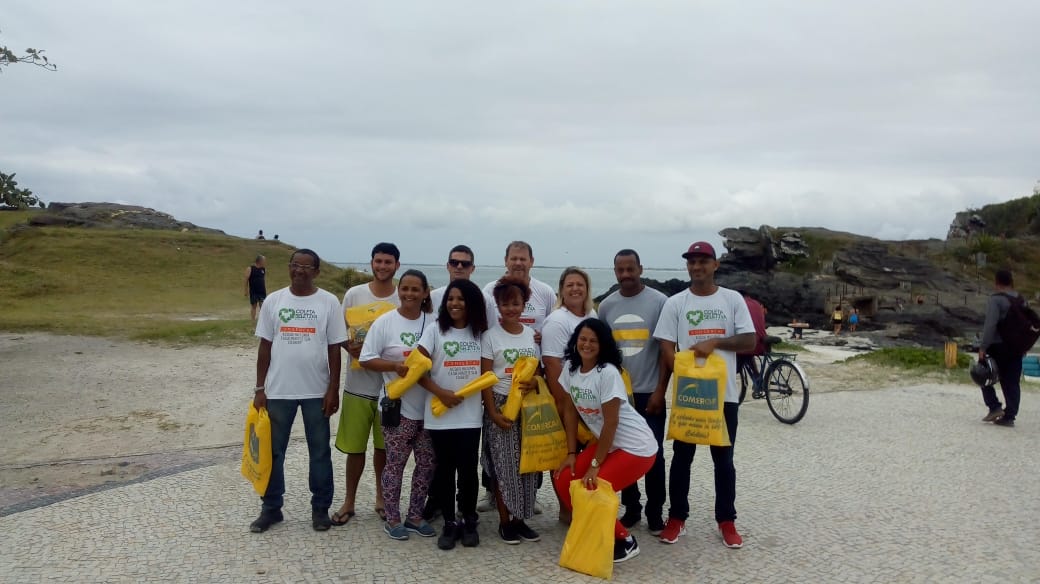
[(673, 530), (730, 537)]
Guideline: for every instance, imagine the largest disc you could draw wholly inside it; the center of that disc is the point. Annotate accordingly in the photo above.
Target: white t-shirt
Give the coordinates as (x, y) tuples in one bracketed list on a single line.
[(687, 319), (456, 362), (538, 307), (437, 295), (393, 337), (300, 329), (557, 330), (362, 382), (504, 348), (591, 390)]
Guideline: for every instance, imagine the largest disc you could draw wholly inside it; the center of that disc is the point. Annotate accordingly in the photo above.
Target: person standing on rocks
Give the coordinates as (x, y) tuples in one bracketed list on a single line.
[(705, 318), (256, 284), (297, 367), (1009, 363)]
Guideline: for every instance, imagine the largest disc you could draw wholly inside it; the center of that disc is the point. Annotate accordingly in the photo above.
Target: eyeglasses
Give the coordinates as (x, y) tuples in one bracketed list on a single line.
[(460, 263), (296, 266)]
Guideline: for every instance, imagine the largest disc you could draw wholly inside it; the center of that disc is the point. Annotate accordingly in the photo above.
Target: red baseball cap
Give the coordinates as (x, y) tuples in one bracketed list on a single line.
[(700, 248)]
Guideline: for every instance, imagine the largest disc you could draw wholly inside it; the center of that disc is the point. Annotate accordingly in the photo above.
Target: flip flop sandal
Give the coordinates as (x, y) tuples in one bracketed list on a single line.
[(381, 513), (341, 519)]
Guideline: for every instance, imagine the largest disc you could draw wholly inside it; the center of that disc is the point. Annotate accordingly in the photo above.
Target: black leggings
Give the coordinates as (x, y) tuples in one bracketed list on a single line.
[(457, 453)]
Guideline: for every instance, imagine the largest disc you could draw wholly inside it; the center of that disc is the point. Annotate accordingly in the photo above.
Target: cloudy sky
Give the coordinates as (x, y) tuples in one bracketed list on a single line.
[(580, 126)]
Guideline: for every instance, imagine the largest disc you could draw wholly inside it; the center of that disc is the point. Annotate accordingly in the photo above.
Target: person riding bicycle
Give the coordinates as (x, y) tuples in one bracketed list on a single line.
[(758, 317)]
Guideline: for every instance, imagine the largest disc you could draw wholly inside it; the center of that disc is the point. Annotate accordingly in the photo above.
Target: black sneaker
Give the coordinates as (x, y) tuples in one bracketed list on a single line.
[(266, 520), (625, 549), (320, 520), (993, 415), (1005, 421), (449, 534), (507, 531), (431, 510), (470, 537), (655, 525), (630, 518), (525, 532)]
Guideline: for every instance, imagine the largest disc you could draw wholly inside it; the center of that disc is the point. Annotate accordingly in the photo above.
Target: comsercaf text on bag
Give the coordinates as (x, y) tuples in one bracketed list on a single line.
[(698, 398)]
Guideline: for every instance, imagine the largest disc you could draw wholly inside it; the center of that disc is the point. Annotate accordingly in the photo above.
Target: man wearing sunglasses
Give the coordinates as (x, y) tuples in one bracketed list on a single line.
[(460, 267)]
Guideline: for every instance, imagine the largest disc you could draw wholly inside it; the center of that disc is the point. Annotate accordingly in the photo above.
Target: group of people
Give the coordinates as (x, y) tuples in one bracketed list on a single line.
[(466, 332), (838, 319)]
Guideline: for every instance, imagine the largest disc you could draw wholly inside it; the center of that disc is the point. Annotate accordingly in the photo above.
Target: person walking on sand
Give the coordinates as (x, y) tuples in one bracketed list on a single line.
[(256, 284), (297, 367), (705, 318), (837, 317), (1009, 363), (359, 418), (853, 320)]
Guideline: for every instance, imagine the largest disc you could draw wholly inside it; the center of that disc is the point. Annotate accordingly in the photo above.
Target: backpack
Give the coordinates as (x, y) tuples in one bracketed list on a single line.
[(1020, 327)]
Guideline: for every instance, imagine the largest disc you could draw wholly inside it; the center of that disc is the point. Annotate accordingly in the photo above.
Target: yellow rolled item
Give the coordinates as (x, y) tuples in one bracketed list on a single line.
[(417, 364), (488, 379), (523, 370)]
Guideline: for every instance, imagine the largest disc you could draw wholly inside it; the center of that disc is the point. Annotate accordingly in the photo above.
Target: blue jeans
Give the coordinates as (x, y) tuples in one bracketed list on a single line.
[(316, 428), (725, 473), (654, 479)]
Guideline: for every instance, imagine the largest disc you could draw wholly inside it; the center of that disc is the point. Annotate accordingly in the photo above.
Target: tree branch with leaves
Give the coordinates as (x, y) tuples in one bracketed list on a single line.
[(31, 57)]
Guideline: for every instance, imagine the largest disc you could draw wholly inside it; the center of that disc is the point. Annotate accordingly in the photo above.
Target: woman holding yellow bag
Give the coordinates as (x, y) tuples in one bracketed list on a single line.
[(501, 347), (454, 347), (625, 447), (389, 342)]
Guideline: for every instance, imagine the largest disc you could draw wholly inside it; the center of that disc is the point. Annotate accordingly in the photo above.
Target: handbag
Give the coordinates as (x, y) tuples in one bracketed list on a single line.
[(390, 412)]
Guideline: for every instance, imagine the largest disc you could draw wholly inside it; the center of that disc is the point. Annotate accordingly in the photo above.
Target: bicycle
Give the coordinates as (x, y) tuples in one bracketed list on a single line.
[(780, 380)]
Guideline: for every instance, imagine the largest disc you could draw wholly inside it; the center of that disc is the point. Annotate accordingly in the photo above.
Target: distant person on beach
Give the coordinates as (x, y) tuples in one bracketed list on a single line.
[(705, 318), (632, 311), (256, 284), (297, 367), (260, 235), (837, 317), (1009, 363), (359, 418), (853, 320), (276, 237)]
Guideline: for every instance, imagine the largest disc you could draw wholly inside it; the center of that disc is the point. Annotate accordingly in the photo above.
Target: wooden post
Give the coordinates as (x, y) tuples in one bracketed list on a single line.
[(951, 354)]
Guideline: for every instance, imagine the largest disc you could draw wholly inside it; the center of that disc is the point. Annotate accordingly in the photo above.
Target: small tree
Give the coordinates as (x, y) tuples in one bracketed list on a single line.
[(31, 56), (12, 196)]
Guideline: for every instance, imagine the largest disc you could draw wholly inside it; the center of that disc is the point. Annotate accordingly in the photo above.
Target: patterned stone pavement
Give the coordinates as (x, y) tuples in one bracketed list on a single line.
[(893, 485)]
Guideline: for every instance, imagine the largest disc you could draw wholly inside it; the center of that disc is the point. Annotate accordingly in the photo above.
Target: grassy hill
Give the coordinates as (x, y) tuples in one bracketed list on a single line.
[(139, 284)]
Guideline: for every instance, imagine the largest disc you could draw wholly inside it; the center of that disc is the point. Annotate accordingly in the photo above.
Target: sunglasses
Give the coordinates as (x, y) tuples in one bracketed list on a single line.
[(460, 263)]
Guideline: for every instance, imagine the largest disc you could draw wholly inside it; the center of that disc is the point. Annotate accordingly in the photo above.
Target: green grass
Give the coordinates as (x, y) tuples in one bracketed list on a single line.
[(913, 358), (785, 347), (168, 286)]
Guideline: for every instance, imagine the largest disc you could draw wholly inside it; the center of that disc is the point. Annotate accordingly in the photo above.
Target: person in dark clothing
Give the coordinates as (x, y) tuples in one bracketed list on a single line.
[(1009, 362), (256, 284)]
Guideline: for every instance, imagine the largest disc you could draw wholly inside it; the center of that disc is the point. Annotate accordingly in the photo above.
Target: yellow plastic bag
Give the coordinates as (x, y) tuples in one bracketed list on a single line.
[(585, 436), (360, 318), (417, 364), (698, 396), (589, 546), (543, 441), (628, 387), (256, 449), (523, 370), (488, 379)]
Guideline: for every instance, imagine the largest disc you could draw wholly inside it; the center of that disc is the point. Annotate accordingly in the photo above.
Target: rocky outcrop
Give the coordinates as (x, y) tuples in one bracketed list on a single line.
[(111, 215), (873, 265), (762, 248)]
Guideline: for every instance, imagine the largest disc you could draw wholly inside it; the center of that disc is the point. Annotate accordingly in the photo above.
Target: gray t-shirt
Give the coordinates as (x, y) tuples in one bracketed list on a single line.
[(633, 320)]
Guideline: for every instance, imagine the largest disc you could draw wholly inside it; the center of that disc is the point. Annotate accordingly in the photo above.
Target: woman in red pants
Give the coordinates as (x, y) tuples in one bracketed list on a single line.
[(625, 447)]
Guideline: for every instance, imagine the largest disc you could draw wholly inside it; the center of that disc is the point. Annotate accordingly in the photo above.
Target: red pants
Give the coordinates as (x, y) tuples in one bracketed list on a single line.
[(620, 468)]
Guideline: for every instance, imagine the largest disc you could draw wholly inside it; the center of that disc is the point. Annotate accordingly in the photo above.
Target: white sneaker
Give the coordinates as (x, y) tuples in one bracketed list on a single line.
[(488, 504)]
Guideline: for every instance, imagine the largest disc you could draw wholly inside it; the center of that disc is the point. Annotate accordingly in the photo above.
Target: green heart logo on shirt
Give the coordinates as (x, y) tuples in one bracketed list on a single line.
[(409, 339), (695, 317), (451, 348), (511, 355), (286, 314)]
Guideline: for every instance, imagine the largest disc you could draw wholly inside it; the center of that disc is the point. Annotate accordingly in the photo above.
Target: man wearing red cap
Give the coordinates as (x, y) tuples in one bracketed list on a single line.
[(706, 319)]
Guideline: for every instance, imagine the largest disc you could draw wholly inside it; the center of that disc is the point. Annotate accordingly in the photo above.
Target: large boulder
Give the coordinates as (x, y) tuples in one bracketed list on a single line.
[(874, 265), (111, 215)]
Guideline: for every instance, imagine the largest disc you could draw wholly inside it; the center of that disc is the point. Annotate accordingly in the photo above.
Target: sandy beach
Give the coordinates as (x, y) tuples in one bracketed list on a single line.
[(83, 412)]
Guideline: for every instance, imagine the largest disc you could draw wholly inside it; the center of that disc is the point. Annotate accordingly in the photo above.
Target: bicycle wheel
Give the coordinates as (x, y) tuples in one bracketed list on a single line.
[(787, 391), (745, 382)]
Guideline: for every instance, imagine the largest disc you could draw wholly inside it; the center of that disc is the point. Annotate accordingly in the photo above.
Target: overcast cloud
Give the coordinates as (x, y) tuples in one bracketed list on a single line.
[(579, 126)]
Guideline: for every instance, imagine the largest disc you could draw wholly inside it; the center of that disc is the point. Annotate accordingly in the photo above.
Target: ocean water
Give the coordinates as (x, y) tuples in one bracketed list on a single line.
[(602, 278)]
